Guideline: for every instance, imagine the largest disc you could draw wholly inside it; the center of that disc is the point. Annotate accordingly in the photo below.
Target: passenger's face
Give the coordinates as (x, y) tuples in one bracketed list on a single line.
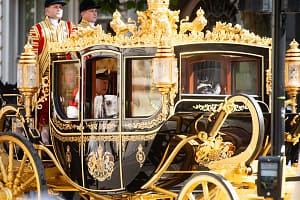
[(101, 86), (89, 15), (55, 11)]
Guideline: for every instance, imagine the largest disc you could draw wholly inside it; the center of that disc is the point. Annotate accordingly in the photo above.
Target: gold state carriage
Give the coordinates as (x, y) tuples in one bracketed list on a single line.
[(175, 126)]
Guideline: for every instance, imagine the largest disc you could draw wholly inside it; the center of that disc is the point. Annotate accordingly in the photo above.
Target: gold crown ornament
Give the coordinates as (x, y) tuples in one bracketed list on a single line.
[(158, 4)]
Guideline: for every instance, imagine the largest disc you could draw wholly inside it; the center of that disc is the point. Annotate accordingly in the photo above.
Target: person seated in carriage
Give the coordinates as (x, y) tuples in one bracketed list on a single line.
[(105, 105)]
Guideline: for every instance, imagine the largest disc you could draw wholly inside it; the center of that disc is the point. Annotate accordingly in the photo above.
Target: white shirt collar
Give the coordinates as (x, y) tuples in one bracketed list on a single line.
[(54, 22)]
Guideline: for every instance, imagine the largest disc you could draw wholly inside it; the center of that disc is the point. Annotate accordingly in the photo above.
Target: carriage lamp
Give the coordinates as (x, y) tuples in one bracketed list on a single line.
[(165, 75), (292, 74), (28, 76)]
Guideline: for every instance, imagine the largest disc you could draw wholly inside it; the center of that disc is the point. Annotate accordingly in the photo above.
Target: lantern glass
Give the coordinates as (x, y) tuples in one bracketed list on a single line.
[(27, 76), (20, 82), (293, 75), (165, 70)]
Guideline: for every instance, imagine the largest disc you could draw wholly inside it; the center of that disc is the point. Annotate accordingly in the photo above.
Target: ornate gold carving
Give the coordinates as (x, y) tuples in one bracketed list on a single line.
[(140, 155), (102, 125), (196, 26), (227, 32), (145, 124), (100, 164), (269, 81), (67, 138), (216, 107), (44, 92), (213, 149), (120, 27), (293, 138), (64, 126), (77, 137), (138, 137), (206, 107)]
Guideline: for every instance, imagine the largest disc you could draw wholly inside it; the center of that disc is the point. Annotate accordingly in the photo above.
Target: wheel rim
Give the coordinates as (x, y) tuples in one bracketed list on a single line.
[(208, 186), (22, 173)]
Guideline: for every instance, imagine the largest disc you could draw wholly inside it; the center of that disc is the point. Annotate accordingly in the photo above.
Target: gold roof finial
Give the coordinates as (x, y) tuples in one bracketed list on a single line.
[(158, 4), (294, 46), (28, 56)]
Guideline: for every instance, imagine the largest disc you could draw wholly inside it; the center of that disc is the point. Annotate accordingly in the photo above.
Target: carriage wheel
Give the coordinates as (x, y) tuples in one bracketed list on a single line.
[(21, 170), (208, 186)]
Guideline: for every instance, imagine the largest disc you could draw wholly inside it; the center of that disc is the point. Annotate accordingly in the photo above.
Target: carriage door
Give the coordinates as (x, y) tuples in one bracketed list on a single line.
[(101, 116)]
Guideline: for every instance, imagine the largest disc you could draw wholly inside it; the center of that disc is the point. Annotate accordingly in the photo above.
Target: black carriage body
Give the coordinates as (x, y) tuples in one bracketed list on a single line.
[(80, 139), (129, 146)]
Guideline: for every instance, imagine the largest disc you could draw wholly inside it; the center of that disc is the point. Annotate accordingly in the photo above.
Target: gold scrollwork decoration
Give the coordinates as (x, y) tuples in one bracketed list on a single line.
[(138, 137), (102, 125), (63, 126), (217, 107), (73, 138), (293, 138), (206, 107), (145, 124), (44, 92)]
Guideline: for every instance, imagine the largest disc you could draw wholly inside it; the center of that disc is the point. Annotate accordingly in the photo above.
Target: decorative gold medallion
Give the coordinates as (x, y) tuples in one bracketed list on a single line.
[(100, 164), (68, 156), (140, 155)]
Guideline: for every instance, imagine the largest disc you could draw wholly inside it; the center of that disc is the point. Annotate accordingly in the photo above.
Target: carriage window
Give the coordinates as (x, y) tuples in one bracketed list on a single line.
[(101, 87), (220, 74), (67, 74), (245, 77), (144, 99), (207, 77)]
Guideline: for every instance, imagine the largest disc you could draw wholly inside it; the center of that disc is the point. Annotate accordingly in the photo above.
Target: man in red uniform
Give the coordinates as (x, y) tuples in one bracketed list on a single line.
[(52, 29)]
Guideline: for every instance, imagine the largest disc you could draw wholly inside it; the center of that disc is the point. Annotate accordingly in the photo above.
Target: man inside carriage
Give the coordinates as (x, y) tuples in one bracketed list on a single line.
[(105, 105)]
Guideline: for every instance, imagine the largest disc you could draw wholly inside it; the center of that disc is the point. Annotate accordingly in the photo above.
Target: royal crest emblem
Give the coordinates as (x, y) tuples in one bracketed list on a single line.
[(100, 164)]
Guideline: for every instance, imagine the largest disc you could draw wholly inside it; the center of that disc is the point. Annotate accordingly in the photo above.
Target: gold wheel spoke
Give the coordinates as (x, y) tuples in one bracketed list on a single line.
[(22, 187), (3, 171), (20, 170), (205, 190), (219, 193), (30, 180), (10, 164)]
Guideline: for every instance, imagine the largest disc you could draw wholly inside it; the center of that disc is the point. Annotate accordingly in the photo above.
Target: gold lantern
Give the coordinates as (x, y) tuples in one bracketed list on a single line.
[(165, 75), (292, 74), (28, 76)]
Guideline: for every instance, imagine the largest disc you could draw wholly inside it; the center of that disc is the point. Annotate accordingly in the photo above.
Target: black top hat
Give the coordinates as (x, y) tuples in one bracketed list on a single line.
[(103, 75), (88, 4), (50, 2)]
